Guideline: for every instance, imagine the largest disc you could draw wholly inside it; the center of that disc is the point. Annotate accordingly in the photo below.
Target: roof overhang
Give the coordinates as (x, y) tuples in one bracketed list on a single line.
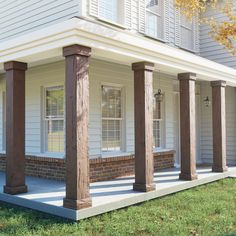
[(109, 43)]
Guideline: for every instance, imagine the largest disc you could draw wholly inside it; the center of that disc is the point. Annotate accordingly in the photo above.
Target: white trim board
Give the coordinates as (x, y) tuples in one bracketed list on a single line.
[(110, 43)]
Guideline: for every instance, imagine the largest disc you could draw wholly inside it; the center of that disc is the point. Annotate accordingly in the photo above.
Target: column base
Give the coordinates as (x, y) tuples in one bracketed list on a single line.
[(144, 187), (186, 176), (77, 204), (15, 190), (219, 169)]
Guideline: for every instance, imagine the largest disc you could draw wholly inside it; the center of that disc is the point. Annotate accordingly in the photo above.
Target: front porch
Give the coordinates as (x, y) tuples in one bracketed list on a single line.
[(47, 195)]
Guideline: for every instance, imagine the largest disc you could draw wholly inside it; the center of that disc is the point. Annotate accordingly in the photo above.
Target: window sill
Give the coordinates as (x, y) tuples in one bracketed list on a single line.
[(154, 38), (48, 154), (115, 154), (187, 49), (112, 23)]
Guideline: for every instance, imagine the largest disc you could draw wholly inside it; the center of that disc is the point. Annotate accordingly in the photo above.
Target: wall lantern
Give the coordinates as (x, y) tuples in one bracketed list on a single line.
[(159, 96), (207, 101)]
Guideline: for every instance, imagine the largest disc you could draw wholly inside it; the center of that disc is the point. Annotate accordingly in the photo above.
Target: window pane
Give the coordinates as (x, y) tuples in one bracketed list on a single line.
[(187, 38), (154, 19), (156, 109), (111, 135), (111, 102), (111, 118), (156, 134), (153, 5), (186, 33), (55, 134), (151, 24), (54, 102), (54, 119), (108, 9)]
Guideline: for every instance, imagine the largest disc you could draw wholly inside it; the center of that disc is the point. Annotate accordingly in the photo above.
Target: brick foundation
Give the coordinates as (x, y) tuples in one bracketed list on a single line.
[(100, 168)]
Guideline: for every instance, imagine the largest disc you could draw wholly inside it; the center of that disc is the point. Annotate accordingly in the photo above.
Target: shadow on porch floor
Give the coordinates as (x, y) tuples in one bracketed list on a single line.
[(47, 195)]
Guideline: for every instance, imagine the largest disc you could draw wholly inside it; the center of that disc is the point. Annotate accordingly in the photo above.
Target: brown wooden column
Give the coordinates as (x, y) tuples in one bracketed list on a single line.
[(77, 118), (15, 127), (143, 112), (219, 126), (187, 126)]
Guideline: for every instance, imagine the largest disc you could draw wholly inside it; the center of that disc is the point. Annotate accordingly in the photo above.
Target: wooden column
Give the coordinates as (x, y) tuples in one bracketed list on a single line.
[(219, 129), (77, 119), (187, 126), (15, 127), (143, 112)]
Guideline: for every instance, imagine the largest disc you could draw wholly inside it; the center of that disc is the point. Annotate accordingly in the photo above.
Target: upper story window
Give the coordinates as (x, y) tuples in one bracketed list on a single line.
[(54, 119), (157, 123), (111, 118), (111, 10), (155, 18), (186, 33)]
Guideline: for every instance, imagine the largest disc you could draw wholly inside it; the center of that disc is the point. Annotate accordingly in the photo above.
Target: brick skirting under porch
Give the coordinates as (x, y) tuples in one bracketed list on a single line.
[(100, 168)]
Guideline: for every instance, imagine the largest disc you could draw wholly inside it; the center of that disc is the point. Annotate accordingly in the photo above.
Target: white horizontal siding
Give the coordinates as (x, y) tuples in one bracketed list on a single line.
[(100, 72), (211, 49), (20, 16), (206, 125)]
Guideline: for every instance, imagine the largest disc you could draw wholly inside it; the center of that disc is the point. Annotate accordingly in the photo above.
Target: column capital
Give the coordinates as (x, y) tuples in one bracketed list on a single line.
[(218, 83), (15, 65), (76, 50), (143, 65), (187, 76)]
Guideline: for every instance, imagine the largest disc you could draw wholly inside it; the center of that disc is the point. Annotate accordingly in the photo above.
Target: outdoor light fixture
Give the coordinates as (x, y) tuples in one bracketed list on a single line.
[(207, 101), (159, 96)]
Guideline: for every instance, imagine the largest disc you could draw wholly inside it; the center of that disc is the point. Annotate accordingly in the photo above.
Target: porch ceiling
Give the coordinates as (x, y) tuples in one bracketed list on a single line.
[(109, 43)]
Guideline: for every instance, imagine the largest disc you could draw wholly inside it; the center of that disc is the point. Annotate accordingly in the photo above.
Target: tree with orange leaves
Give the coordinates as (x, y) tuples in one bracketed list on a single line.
[(223, 32)]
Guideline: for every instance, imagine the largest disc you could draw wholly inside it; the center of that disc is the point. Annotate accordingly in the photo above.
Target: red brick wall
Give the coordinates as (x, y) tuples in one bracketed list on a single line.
[(100, 168)]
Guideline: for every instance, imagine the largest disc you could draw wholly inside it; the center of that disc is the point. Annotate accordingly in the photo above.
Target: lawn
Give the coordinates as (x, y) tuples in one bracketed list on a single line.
[(205, 210)]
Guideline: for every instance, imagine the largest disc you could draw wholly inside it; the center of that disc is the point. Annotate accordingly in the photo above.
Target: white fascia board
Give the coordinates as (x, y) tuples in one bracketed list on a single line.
[(97, 36)]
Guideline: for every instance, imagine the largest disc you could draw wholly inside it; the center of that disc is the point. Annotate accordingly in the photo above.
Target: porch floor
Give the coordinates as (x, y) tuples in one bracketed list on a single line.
[(47, 195)]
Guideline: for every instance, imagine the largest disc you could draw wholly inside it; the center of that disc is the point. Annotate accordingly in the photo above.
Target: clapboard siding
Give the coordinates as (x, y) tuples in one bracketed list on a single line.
[(211, 49), (101, 72), (20, 16), (206, 125)]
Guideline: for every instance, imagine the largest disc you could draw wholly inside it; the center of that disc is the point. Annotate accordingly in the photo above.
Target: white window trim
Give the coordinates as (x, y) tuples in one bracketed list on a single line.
[(163, 39), (4, 121), (162, 125), (192, 30), (43, 115), (121, 15), (105, 154)]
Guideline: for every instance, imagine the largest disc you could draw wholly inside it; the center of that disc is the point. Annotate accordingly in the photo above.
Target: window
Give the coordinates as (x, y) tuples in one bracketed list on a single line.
[(111, 118), (4, 121), (154, 18), (111, 10), (157, 122), (186, 28), (54, 119)]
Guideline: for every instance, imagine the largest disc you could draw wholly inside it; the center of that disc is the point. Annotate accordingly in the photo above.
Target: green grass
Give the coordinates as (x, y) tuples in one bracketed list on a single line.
[(205, 210)]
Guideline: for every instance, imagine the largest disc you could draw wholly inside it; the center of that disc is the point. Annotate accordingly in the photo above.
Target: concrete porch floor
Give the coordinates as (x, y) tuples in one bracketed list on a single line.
[(47, 195)]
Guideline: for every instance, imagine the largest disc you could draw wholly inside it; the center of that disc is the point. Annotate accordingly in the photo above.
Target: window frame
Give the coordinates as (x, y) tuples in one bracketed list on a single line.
[(4, 121), (161, 123), (182, 25), (122, 119), (120, 14), (162, 16), (44, 146)]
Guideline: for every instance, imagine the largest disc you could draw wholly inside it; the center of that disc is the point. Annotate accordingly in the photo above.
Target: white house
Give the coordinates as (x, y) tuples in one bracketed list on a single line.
[(51, 49)]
